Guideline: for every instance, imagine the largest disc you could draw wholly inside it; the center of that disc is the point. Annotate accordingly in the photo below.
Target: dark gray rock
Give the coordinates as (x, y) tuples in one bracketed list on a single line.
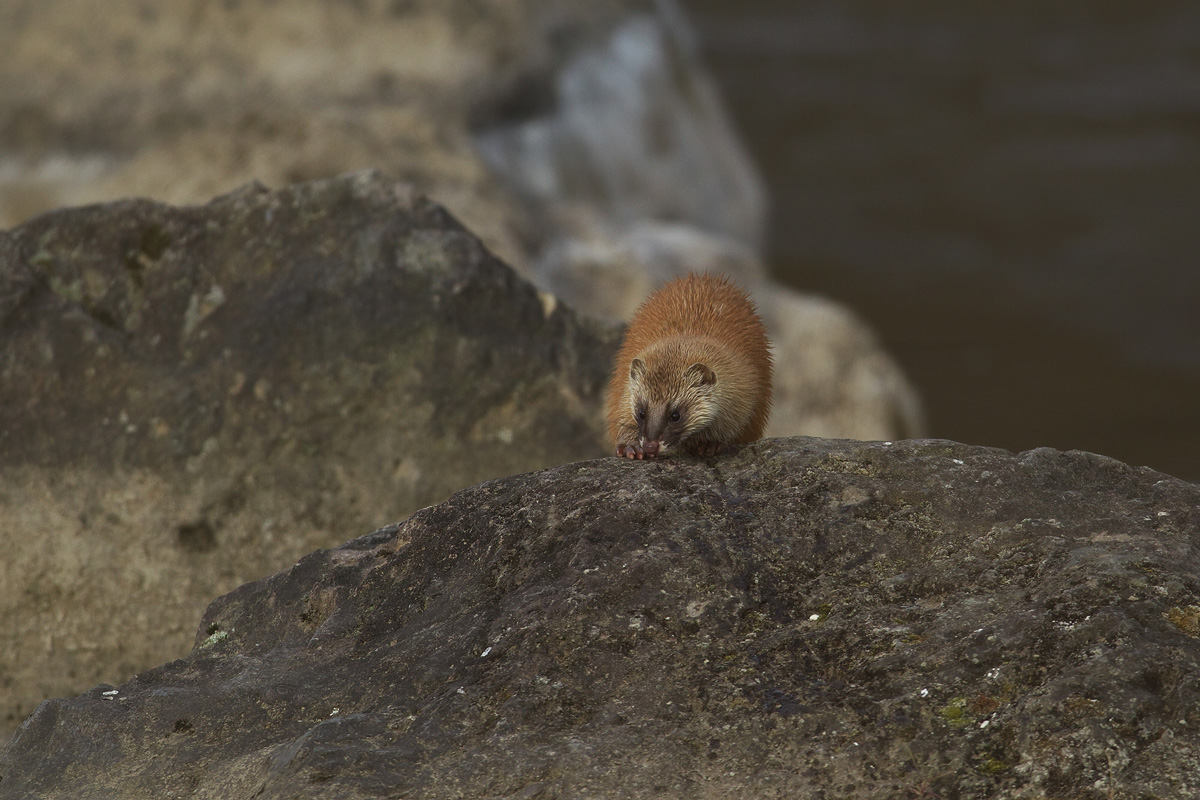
[(806, 619), (191, 398), (262, 310)]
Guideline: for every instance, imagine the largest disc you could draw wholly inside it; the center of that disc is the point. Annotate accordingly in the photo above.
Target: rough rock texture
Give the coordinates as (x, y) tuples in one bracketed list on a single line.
[(805, 619), (191, 398)]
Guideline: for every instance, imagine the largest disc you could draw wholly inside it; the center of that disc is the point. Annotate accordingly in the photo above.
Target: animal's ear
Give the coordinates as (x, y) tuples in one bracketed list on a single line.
[(700, 375), (637, 370)]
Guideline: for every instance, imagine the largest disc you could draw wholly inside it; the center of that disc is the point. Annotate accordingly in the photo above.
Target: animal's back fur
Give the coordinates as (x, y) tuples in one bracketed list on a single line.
[(702, 307)]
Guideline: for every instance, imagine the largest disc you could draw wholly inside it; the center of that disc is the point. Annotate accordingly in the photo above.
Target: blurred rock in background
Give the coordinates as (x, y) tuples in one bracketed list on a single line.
[(583, 142)]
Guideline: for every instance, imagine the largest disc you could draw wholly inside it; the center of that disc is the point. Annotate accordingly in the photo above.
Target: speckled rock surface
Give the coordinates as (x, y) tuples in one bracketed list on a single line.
[(195, 397), (808, 618)]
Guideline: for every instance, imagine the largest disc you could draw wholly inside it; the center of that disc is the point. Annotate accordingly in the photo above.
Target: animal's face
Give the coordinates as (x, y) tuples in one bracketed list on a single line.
[(670, 404)]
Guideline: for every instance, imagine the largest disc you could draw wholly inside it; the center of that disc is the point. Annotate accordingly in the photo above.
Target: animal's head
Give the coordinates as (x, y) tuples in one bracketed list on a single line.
[(670, 400)]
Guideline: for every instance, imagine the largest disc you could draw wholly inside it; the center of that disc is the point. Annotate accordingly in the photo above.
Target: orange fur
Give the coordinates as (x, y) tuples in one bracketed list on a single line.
[(697, 319)]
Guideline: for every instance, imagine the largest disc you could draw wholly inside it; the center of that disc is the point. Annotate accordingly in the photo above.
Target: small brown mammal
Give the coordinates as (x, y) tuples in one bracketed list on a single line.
[(693, 374)]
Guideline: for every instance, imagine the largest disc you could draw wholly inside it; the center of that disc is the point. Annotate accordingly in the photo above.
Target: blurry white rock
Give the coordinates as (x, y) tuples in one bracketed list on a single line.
[(638, 132), (608, 272), (832, 378)]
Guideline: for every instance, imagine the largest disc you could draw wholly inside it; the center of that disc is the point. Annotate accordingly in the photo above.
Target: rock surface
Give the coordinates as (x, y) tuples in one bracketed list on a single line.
[(808, 618), (191, 398)]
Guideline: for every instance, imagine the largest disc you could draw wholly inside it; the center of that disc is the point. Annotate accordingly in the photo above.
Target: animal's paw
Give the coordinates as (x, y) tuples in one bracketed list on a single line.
[(634, 451)]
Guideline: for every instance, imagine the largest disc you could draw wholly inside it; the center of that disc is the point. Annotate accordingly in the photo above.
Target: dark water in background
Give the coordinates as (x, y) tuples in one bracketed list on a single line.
[(1009, 192)]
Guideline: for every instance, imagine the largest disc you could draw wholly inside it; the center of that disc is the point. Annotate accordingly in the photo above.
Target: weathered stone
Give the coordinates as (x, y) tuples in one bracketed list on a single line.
[(191, 398), (808, 618)]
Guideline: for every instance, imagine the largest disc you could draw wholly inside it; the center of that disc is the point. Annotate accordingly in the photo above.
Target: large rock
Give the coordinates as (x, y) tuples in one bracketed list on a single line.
[(191, 398), (806, 619)]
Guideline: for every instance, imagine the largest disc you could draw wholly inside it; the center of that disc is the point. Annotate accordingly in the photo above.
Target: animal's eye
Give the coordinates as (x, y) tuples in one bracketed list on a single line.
[(675, 416), (641, 414)]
